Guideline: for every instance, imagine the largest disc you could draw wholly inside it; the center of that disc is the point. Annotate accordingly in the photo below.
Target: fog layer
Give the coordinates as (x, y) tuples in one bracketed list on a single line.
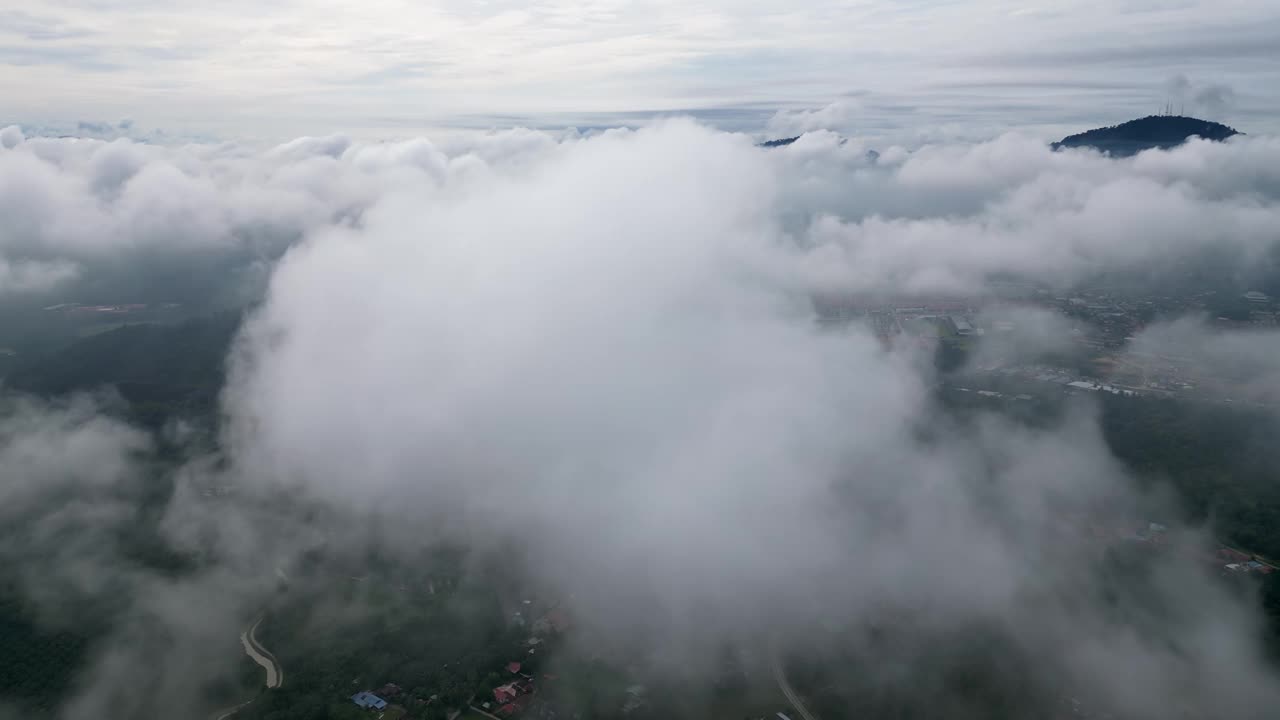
[(605, 351)]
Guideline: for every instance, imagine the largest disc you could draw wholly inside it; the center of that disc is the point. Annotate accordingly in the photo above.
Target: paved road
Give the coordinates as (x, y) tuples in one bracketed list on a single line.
[(260, 655), (224, 714), (789, 691)]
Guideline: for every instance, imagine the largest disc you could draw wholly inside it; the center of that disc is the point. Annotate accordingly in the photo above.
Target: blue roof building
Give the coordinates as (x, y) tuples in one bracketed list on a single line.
[(369, 701)]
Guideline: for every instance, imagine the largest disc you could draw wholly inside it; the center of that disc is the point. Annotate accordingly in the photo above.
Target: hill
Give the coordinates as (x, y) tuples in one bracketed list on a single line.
[(781, 142), (872, 155), (1155, 131)]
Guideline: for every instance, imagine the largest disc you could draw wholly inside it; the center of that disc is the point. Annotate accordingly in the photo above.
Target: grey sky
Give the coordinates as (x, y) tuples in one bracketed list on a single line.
[(393, 67)]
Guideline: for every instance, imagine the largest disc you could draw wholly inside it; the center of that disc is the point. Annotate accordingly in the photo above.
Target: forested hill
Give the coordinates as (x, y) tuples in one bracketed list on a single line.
[(781, 142), (161, 370), (1156, 131)]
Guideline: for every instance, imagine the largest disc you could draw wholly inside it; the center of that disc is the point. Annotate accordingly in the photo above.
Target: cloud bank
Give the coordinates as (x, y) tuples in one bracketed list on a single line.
[(609, 352), (605, 349), (101, 218)]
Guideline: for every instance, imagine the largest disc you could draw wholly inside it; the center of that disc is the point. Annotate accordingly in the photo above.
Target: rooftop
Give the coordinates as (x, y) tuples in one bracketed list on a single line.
[(368, 700)]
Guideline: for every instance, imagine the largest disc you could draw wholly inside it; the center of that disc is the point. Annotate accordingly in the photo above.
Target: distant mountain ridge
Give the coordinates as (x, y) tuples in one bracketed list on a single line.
[(871, 155), (781, 142), (1154, 131)]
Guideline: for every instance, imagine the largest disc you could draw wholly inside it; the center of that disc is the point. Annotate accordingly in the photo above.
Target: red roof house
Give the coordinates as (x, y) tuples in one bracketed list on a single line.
[(505, 693)]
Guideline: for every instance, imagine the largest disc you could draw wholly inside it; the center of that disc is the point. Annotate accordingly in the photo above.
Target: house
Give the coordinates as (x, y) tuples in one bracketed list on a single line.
[(515, 707), (504, 694), (369, 701), (513, 667), (962, 326)]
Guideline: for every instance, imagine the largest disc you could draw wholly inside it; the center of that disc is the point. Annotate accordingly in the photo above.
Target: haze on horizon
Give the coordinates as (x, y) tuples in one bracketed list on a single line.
[(919, 70)]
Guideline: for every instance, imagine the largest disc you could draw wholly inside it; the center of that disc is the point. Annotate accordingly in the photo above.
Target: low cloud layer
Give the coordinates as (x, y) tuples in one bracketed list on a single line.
[(604, 348), (1233, 364), (609, 353), (123, 221)]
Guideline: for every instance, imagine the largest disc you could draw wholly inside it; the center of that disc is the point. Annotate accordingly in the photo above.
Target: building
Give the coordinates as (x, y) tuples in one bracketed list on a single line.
[(1254, 296), (504, 694), (963, 327), (1098, 387), (369, 701)]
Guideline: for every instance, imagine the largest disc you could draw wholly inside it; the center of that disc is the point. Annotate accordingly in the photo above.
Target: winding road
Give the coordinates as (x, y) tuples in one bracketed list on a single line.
[(260, 655), (789, 691)]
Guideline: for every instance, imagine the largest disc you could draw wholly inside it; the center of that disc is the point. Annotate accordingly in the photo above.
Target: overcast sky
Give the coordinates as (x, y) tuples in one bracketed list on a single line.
[(394, 67)]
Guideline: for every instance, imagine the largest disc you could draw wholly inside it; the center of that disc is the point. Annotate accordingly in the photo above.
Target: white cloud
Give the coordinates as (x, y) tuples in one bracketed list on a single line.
[(841, 116), (27, 276), (607, 351), (10, 136), (1237, 365), (939, 218), (604, 347)]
